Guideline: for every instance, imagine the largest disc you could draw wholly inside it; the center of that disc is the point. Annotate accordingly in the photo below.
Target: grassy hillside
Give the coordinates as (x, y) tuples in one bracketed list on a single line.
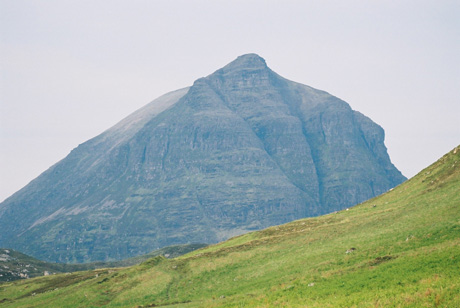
[(401, 249), (15, 265)]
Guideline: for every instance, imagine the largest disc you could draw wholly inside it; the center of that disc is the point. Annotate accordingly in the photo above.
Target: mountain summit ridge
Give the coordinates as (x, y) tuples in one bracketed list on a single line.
[(246, 62), (240, 150)]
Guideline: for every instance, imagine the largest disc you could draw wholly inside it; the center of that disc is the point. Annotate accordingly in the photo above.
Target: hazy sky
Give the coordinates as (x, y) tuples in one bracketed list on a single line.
[(71, 69)]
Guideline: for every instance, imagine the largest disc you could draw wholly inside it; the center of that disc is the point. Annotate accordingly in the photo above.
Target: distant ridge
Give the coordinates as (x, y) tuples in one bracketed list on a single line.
[(240, 150), (15, 265)]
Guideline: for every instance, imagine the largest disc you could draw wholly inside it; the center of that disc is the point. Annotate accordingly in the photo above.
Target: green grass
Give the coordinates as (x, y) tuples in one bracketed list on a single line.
[(406, 254)]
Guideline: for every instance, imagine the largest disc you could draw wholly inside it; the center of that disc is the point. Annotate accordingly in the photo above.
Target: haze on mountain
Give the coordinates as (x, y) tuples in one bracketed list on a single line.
[(240, 150)]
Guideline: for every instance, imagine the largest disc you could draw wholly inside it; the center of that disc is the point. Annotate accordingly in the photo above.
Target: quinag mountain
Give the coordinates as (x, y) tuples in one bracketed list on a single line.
[(240, 150)]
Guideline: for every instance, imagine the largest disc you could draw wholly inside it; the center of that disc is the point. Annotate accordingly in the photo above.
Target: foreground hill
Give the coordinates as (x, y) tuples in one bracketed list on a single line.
[(240, 150), (15, 265), (401, 249)]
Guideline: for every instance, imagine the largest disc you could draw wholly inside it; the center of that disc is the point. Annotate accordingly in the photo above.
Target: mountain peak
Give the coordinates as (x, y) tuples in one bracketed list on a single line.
[(247, 61), (240, 150)]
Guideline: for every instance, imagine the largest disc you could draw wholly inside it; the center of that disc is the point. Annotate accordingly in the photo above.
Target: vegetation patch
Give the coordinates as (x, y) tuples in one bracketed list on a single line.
[(380, 260)]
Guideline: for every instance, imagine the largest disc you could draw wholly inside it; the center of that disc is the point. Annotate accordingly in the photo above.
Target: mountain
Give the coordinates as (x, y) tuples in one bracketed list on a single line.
[(15, 265), (240, 150), (401, 249)]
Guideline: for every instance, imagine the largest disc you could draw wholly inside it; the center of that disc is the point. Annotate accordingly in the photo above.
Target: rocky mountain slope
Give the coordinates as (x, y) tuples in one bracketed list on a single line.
[(401, 249), (240, 150)]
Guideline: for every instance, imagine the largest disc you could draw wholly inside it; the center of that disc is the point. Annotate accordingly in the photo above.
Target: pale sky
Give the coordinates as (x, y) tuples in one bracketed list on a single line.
[(71, 69)]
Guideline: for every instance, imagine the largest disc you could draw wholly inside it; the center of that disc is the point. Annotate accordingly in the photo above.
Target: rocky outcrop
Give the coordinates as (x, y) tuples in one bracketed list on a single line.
[(240, 150)]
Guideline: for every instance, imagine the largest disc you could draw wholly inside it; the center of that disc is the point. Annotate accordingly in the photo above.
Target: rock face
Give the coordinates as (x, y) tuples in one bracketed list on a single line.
[(240, 150)]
